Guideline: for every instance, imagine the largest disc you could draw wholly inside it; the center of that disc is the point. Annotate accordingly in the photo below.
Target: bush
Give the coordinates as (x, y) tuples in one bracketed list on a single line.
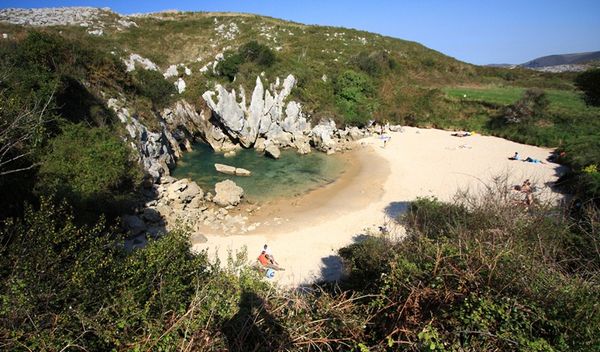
[(230, 65), (589, 83), (375, 63), (354, 95), (88, 165), (154, 86), (251, 52), (480, 277), (258, 53)]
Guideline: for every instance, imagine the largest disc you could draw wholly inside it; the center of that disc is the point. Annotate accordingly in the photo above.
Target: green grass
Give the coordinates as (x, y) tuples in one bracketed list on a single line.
[(559, 99)]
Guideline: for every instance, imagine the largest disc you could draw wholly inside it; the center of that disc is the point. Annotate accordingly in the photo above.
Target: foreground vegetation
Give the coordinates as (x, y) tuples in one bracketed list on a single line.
[(475, 275)]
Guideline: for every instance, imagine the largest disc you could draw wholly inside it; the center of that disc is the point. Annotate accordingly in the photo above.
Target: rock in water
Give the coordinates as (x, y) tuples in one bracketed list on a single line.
[(273, 151), (225, 169), (232, 170), (227, 193), (242, 172)]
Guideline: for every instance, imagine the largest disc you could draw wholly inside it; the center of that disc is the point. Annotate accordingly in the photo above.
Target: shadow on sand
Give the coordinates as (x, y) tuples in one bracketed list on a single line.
[(333, 267)]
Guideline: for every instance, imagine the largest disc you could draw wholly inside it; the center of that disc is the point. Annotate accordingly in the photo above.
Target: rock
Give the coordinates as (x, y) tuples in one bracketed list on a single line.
[(191, 191), (272, 151), (301, 143), (134, 223), (165, 211), (396, 128), (145, 63), (167, 180), (225, 169), (242, 172), (174, 190), (322, 136), (171, 71), (355, 134), (180, 84), (259, 145), (197, 203), (229, 154), (264, 117), (227, 193)]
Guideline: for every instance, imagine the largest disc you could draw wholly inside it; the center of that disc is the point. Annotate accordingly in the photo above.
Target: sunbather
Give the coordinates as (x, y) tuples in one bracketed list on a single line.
[(461, 134)]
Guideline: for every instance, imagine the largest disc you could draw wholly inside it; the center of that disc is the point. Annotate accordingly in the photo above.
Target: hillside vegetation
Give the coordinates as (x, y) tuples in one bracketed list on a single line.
[(474, 275)]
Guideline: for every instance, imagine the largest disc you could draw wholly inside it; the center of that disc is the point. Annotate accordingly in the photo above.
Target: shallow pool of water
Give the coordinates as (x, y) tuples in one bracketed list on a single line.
[(290, 175)]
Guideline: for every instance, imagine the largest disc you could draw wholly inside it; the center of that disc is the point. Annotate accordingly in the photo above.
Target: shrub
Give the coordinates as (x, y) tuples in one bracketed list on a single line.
[(480, 275), (589, 83), (251, 52), (257, 53), (88, 165), (375, 63), (154, 86), (354, 95), (230, 65)]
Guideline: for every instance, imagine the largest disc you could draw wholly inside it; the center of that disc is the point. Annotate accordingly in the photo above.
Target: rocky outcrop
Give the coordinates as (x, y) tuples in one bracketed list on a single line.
[(267, 116), (227, 193), (156, 150), (134, 59), (322, 136)]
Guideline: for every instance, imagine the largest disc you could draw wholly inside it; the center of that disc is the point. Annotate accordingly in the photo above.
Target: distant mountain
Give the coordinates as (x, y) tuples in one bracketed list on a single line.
[(564, 59)]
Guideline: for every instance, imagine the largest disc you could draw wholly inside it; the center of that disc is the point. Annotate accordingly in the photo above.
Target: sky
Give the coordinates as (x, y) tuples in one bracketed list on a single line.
[(478, 32)]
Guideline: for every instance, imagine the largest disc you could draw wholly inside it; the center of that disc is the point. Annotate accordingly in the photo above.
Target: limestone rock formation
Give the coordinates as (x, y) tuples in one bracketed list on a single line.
[(322, 136), (227, 193), (267, 116)]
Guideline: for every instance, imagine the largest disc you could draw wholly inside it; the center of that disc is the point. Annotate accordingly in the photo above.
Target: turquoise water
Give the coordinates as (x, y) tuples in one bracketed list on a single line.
[(290, 175)]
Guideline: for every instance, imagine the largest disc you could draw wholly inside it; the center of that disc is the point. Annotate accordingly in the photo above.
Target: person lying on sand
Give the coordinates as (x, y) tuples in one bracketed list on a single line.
[(268, 261), (515, 157), (532, 160), (461, 134)]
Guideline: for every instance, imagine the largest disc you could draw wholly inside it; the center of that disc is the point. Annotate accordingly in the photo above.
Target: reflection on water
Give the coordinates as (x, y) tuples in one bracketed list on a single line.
[(290, 175)]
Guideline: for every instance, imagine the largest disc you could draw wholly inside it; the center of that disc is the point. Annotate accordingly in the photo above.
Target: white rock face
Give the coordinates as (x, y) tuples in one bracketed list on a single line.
[(145, 63), (323, 136), (155, 149), (96, 32), (180, 84), (171, 71), (267, 117)]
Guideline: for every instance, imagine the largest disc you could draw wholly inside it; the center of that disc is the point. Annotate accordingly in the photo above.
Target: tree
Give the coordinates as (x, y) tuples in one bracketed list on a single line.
[(21, 131), (589, 83)]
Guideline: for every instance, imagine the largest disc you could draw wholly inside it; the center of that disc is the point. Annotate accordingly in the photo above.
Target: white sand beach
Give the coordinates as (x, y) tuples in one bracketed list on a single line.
[(304, 233)]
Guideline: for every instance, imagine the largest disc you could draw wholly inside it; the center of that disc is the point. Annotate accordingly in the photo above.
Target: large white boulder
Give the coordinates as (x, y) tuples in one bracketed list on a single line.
[(227, 193)]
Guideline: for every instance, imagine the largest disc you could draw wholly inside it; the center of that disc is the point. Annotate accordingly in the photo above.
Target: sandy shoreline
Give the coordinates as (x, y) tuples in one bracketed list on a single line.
[(305, 232)]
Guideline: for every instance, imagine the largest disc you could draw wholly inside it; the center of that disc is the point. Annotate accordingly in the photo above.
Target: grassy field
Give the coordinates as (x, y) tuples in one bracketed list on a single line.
[(559, 99)]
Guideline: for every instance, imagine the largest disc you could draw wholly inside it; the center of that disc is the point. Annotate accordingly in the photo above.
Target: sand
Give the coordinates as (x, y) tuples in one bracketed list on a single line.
[(304, 233)]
